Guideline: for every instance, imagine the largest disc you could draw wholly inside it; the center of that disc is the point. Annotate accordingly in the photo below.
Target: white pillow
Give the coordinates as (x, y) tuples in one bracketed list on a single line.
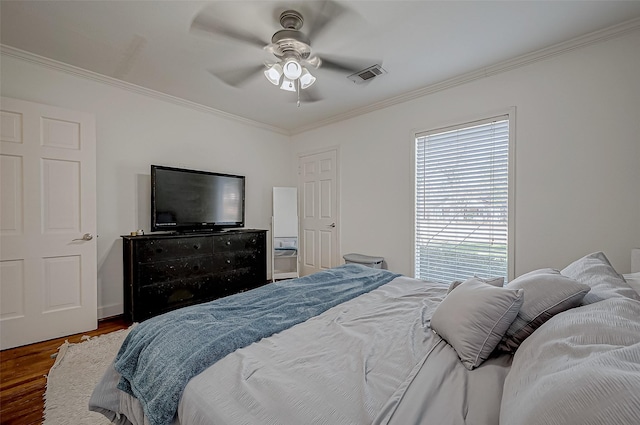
[(596, 271)]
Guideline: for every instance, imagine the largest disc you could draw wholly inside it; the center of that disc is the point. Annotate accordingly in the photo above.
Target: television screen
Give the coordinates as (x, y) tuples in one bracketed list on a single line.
[(195, 200)]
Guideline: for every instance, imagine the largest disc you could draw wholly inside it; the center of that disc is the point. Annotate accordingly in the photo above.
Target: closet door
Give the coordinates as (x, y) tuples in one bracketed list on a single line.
[(320, 223), (48, 254)]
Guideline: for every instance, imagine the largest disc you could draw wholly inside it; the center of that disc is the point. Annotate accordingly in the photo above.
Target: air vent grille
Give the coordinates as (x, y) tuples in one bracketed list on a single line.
[(367, 74)]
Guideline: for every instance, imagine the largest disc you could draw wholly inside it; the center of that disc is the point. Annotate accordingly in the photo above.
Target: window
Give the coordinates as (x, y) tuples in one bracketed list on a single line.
[(462, 202)]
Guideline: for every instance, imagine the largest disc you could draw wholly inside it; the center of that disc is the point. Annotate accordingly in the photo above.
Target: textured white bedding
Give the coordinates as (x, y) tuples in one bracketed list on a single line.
[(582, 367), (375, 360), (338, 368)]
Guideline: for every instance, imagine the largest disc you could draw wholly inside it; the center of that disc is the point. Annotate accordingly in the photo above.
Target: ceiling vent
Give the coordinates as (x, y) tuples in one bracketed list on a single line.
[(367, 74)]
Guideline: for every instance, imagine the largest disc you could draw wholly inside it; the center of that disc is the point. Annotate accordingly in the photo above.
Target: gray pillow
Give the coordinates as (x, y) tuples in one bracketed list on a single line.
[(474, 318), (546, 293), (596, 271), (494, 281)]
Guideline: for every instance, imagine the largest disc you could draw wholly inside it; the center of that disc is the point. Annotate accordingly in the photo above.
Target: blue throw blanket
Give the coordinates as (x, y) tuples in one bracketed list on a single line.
[(161, 355)]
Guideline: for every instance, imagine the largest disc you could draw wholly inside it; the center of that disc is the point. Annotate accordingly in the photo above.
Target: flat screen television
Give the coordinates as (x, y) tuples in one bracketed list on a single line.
[(190, 200)]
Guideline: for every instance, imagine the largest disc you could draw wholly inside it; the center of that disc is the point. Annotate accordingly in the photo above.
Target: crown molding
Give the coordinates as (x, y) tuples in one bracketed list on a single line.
[(504, 66), (94, 76)]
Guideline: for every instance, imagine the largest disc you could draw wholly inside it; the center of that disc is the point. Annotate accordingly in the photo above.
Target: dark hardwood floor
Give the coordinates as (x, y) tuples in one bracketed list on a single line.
[(23, 370)]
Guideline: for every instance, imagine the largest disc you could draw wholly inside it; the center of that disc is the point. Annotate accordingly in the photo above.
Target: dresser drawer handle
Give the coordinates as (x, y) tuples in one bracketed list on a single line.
[(228, 261), (228, 242), (196, 246)]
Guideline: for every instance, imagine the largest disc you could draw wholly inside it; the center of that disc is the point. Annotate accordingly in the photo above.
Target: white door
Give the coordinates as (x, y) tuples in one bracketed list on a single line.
[(48, 275), (318, 183)]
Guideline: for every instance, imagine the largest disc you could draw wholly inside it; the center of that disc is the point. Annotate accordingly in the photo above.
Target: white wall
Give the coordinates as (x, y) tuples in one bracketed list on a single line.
[(135, 131), (577, 180), (577, 160)]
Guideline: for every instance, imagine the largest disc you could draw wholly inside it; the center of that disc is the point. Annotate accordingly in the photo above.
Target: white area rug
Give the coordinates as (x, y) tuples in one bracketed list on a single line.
[(71, 380)]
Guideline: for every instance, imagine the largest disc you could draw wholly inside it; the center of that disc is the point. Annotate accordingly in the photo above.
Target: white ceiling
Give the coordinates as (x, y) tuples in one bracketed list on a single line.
[(419, 43)]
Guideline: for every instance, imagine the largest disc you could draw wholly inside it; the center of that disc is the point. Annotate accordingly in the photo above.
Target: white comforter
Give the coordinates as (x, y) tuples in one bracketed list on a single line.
[(338, 368)]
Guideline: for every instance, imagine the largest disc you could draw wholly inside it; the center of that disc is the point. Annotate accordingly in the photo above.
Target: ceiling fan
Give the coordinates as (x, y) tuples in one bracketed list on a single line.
[(292, 56)]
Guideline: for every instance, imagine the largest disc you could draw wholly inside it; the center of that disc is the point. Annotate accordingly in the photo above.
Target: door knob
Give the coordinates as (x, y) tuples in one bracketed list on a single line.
[(85, 237), (332, 225)]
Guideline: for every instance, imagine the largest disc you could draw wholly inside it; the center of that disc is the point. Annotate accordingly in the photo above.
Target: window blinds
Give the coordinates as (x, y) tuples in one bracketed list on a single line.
[(462, 202)]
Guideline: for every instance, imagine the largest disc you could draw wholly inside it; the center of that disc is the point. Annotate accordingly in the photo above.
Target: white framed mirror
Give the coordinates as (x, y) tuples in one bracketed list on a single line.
[(284, 233)]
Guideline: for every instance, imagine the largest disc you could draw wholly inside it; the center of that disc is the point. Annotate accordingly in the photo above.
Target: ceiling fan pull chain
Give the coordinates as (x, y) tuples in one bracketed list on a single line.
[(298, 91)]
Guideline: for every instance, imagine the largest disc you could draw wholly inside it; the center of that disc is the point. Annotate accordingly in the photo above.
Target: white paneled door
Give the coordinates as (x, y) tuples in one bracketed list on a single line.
[(48, 275), (318, 183)]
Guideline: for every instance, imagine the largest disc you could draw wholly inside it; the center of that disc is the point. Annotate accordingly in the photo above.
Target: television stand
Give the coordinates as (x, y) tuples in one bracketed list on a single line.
[(163, 272)]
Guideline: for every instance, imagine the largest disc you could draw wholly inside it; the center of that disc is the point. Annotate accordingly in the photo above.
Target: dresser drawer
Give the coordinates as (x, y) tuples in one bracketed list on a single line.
[(239, 279), (238, 241), (223, 261), (161, 297), (163, 271), (169, 248)]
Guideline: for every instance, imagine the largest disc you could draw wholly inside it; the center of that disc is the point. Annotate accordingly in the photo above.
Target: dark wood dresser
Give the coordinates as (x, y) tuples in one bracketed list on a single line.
[(168, 271)]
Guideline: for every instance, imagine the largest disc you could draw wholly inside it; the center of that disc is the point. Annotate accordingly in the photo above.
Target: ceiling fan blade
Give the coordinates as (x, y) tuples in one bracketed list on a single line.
[(238, 77), (207, 24), (348, 66), (308, 95), (325, 12)]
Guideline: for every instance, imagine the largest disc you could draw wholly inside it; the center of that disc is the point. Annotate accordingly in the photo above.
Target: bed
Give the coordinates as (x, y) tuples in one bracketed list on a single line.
[(356, 345)]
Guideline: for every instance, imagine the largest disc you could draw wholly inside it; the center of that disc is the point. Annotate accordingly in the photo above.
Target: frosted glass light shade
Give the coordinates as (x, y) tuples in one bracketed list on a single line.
[(273, 74), (288, 85), (306, 79)]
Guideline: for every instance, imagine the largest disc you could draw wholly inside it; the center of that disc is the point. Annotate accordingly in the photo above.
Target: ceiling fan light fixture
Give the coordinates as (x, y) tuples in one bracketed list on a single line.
[(288, 84), (306, 79), (292, 69), (274, 74)]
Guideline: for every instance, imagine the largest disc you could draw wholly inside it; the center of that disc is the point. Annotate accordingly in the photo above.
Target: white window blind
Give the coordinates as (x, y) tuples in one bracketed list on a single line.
[(462, 192)]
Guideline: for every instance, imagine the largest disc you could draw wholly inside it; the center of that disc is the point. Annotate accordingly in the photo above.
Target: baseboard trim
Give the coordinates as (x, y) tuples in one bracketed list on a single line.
[(111, 310)]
